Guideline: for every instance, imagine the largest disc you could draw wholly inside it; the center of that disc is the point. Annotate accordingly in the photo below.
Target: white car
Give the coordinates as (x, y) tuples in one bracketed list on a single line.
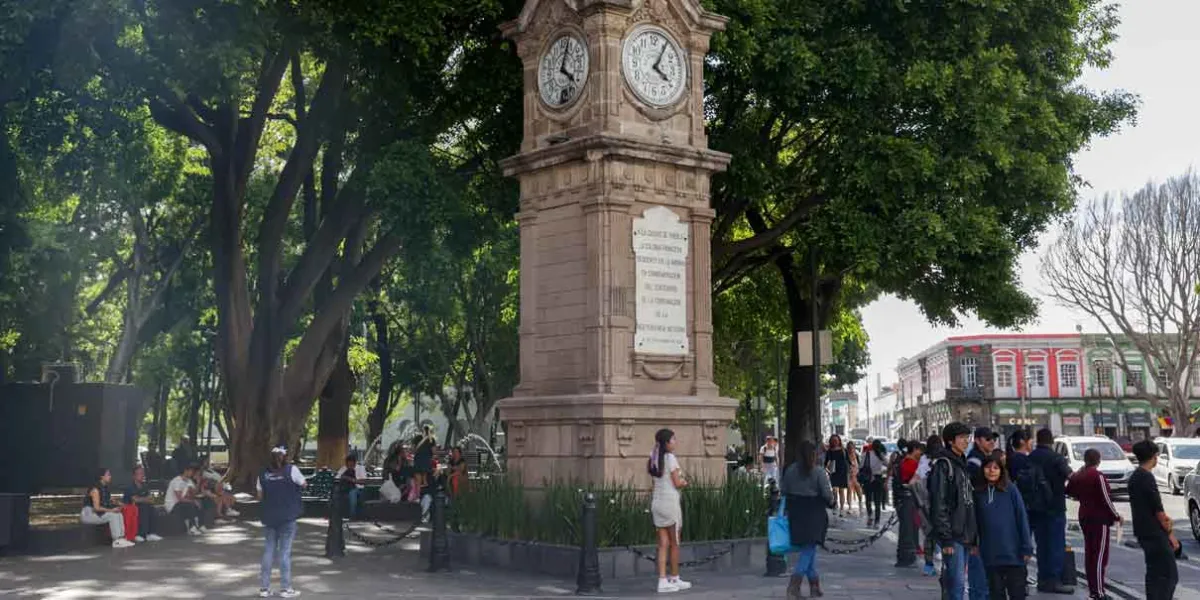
[(1176, 458), (1191, 497), (1113, 463)]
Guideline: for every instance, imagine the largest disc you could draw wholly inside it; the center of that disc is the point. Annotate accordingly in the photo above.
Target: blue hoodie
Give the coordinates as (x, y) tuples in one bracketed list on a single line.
[(1003, 526)]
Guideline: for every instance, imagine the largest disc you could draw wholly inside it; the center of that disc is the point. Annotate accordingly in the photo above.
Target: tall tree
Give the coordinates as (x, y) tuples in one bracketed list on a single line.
[(1133, 265), (918, 148)]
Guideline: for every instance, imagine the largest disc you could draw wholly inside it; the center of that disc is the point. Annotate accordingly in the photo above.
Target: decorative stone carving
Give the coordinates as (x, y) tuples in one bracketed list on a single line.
[(516, 437), (712, 438), (587, 439), (624, 437)]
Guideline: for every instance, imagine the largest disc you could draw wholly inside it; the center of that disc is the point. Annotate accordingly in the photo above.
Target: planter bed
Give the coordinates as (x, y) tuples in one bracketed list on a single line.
[(560, 561)]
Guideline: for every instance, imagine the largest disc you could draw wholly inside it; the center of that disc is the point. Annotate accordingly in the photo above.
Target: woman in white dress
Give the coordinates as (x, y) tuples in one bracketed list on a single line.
[(666, 509)]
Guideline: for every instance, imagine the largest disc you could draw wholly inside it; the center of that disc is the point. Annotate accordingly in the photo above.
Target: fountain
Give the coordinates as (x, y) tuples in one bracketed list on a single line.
[(479, 438)]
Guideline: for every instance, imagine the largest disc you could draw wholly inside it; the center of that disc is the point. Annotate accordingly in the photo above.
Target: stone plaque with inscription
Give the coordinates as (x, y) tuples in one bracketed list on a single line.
[(660, 248)]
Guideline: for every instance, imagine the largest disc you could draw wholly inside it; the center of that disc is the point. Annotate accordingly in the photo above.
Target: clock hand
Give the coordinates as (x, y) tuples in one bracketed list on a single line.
[(562, 67), (659, 62)]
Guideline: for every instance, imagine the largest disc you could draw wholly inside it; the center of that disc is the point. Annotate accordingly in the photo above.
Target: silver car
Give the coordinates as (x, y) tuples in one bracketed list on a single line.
[(1191, 497)]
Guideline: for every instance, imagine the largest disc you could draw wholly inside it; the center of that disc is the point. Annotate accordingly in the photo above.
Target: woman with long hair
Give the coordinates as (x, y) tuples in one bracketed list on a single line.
[(856, 489), (424, 446), (666, 508), (876, 463), (933, 449), (279, 501), (99, 508), (1005, 543), (839, 472), (807, 494)]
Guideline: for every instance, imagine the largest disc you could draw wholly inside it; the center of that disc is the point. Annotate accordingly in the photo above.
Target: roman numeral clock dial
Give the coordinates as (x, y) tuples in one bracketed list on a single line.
[(562, 70), (654, 66)]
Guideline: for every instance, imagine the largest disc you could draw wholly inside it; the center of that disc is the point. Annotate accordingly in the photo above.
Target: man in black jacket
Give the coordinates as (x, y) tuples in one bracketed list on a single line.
[(1050, 525), (952, 512)]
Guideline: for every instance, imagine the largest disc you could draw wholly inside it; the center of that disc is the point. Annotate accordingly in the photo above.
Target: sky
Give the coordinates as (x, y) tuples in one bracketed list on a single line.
[(1152, 58)]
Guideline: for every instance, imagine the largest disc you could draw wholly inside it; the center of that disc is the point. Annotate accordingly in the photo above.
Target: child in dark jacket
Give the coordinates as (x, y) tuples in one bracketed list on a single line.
[(1005, 541)]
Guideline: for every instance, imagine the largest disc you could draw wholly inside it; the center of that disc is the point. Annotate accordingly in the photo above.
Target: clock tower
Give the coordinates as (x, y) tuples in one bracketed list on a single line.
[(616, 312)]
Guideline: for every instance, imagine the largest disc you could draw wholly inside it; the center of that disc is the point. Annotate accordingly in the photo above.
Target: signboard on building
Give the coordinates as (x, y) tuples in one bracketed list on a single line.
[(660, 248)]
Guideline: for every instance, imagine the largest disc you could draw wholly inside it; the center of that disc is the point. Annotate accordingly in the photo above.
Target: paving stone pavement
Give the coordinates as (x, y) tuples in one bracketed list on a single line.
[(224, 564)]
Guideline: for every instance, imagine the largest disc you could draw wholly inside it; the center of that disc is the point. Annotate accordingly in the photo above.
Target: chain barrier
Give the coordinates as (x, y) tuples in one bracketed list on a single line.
[(691, 563), (859, 545), (399, 536)]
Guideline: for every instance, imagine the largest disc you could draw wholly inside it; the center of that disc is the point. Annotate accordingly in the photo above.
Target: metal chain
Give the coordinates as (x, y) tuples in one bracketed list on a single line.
[(377, 544), (862, 544), (689, 564)]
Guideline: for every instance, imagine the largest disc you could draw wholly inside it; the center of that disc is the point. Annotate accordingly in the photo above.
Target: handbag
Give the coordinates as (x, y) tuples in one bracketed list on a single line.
[(779, 532)]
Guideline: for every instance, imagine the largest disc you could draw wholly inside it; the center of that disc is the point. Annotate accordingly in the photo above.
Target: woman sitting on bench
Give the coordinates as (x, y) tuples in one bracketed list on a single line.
[(100, 509)]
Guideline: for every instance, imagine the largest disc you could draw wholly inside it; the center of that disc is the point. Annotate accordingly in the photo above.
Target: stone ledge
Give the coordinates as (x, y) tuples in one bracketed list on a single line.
[(534, 558)]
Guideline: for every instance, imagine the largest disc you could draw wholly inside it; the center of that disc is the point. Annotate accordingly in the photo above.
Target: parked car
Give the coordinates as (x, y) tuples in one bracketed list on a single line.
[(1177, 457), (1191, 498), (1113, 463)]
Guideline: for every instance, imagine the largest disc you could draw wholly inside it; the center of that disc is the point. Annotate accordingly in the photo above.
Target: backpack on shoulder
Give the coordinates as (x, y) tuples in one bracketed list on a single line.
[(1035, 488)]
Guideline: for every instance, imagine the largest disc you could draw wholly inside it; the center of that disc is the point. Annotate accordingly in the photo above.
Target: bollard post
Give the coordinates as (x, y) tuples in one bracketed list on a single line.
[(439, 546), (335, 541), (588, 579), (776, 563)]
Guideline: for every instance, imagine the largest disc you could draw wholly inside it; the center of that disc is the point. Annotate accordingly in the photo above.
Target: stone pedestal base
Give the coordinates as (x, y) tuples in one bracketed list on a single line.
[(607, 438)]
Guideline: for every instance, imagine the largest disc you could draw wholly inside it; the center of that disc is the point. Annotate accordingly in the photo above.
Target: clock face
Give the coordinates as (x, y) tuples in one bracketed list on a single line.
[(654, 66), (563, 70)]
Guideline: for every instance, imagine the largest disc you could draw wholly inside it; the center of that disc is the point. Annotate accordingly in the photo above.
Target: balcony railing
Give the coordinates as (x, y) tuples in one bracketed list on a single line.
[(959, 394)]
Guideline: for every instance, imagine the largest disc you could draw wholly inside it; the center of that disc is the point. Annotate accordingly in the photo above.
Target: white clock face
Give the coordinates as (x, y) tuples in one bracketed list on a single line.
[(654, 66), (563, 70)]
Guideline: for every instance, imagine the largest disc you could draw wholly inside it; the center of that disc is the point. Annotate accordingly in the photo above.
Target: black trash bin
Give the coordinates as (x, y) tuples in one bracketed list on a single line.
[(14, 522)]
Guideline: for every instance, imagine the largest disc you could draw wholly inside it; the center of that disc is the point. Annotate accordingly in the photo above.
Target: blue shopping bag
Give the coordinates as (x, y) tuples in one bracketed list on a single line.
[(779, 534)]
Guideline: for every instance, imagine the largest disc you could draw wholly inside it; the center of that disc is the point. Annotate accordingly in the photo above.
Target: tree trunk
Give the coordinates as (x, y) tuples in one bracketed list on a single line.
[(333, 420), (803, 409), (383, 402), (193, 421)]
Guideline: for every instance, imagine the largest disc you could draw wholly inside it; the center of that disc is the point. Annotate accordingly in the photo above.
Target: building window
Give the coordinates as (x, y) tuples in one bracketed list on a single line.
[(1035, 376), (1068, 375), (1103, 373), (970, 373), (1137, 378), (1004, 376), (1161, 382)]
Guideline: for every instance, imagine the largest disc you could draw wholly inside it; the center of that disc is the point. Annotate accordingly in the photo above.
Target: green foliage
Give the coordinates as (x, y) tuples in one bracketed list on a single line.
[(498, 507)]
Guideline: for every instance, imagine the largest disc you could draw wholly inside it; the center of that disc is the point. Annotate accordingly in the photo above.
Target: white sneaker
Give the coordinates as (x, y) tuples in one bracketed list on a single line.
[(289, 593), (153, 537), (681, 584), (232, 513), (122, 543), (194, 531), (666, 587), (203, 529), (264, 593), (139, 539)]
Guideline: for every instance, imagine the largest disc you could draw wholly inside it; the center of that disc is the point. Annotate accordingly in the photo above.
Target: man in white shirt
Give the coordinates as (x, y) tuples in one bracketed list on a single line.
[(181, 500), (353, 475)]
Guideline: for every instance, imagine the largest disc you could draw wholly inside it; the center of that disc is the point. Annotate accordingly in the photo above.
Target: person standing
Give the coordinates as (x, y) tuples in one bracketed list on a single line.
[(920, 490), (100, 509), (1050, 521), (952, 511), (138, 495), (982, 447), (1005, 544), (1151, 525), (838, 467), (854, 457), (906, 506), (768, 459), (808, 494), (279, 489), (875, 463), (1019, 448), (666, 509), (1096, 515)]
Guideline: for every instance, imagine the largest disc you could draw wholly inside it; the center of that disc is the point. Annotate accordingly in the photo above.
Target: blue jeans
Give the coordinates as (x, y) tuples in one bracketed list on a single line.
[(1050, 531), (279, 541), (806, 562), (977, 577), (954, 574), (352, 501)]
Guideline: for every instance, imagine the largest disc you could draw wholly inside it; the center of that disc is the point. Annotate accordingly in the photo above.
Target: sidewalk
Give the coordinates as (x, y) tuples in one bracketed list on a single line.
[(224, 564)]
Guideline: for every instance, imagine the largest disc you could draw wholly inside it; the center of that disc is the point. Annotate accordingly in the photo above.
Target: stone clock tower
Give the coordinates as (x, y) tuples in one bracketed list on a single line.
[(616, 315)]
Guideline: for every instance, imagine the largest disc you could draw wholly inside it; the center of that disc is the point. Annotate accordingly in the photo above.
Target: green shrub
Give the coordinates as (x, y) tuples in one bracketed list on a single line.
[(499, 507)]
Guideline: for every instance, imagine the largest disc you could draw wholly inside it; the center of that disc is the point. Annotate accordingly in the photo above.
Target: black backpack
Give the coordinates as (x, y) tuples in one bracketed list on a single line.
[(1035, 488)]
